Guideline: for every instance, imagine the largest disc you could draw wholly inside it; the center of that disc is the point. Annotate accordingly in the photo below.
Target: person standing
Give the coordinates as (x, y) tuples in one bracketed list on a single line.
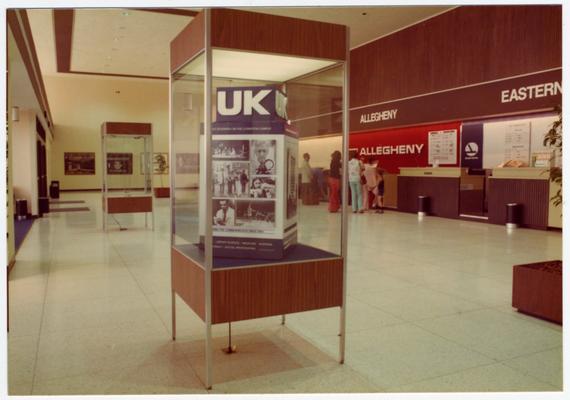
[(370, 185), (380, 190), (354, 173), (306, 179), (334, 181), (243, 180)]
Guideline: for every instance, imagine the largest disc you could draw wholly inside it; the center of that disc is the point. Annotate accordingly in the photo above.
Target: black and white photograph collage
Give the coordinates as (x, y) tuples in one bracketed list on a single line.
[(244, 178)]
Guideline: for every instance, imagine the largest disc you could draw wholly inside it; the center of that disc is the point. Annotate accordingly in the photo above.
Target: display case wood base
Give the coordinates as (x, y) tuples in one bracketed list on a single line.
[(247, 293), (537, 290), (161, 192), (134, 204)]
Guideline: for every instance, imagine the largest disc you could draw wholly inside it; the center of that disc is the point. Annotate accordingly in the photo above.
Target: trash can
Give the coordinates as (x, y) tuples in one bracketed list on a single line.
[(54, 190), (21, 209), (423, 206), (43, 206), (514, 214)]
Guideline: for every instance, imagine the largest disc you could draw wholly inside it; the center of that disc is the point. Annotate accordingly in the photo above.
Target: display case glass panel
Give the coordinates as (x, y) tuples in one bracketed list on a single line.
[(263, 105), (126, 166)]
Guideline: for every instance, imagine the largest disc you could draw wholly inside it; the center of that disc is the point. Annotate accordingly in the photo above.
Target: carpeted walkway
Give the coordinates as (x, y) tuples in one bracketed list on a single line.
[(21, 229)]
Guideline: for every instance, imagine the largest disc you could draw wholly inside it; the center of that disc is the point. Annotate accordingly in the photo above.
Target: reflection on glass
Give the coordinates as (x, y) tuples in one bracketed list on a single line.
[(256, 157)]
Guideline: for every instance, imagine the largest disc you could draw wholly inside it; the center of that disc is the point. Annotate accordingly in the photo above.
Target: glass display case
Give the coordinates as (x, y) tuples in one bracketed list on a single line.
[(127, 176), (243, 244)]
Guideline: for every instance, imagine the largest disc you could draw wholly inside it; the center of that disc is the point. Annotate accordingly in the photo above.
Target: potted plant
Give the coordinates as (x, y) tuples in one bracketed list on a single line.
[(160, 167), (537, 287)]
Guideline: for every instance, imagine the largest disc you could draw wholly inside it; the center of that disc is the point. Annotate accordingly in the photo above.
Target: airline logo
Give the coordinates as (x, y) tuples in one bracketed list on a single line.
[(471, 149)]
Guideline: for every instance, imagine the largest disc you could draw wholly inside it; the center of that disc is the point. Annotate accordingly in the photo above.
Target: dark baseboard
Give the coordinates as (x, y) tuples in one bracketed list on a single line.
[(98, 190), (80, 190), (11, 265)]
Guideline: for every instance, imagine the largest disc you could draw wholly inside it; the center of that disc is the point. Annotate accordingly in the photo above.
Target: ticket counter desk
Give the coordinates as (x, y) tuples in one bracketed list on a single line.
[(440, 184), (529, 187)]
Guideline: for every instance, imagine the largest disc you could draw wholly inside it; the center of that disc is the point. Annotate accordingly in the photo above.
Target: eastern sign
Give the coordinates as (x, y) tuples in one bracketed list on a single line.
[(530, 93)]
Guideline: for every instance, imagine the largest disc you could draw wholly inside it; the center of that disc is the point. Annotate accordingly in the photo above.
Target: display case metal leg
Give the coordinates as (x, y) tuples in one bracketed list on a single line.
[(342, 335), (283, 319), (231, 348), (146, 220), (173, 315)]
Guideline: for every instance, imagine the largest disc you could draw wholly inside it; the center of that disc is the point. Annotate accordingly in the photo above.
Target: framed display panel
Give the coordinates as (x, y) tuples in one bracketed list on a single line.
[(243, 246), (125, 191)]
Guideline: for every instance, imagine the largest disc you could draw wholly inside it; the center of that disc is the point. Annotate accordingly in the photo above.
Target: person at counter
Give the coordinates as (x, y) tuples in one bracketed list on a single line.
[(334, 181), (369, 185), (355, 169), (380, 189)]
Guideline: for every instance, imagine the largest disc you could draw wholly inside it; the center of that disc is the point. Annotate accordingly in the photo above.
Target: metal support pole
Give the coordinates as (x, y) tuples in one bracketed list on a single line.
[(173, 315), (344, 215), (231, 348), (208, 175), (104, 152), (283, 319)]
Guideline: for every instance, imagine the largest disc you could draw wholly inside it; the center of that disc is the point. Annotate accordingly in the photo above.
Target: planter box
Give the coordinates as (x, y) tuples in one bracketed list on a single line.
[(537, 290), (162, 192)]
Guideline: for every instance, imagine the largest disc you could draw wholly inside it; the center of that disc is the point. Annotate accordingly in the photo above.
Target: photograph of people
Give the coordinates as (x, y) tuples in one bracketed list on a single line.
[(259, 215), (230, 178), (234, 149), (224, 214), (262, 188), (263, 157)]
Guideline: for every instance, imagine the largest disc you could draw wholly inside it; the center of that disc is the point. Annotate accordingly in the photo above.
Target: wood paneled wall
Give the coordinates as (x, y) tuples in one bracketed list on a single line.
[(532, 194), (443, 194), (469, 44), (251, 31), (127, 128)]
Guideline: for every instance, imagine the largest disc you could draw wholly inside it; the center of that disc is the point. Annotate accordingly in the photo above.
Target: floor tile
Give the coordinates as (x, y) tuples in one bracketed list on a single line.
[(428, 309), (495, 334), (545, 366), (489, 378)]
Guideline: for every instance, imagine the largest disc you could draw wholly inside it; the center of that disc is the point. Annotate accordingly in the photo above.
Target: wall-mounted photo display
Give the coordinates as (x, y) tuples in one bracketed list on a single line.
[(187, 163), (230, 178), (262, 187), (120, 163), (79, 163), (159, 163), (255, 216), (263, 157), (224, 213), (230, 149)]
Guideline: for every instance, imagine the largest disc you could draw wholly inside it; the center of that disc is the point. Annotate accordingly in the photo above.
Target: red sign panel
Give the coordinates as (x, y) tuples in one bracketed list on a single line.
[(403, 147)]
